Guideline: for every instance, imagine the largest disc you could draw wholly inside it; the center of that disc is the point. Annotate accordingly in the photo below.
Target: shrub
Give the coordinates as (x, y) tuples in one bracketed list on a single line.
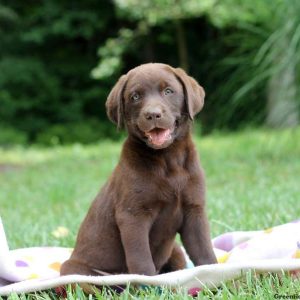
[(11, 136), (80, 132)]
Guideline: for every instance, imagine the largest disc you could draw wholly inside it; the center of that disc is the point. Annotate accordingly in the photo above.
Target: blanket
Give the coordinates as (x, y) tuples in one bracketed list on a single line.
[(275, 249)]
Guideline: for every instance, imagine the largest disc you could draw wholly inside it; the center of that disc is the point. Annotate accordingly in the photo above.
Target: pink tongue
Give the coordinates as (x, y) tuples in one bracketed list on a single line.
[(159, 136)]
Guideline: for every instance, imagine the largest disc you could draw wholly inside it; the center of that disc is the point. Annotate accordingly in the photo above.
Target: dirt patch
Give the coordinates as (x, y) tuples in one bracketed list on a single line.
[(9, 167)]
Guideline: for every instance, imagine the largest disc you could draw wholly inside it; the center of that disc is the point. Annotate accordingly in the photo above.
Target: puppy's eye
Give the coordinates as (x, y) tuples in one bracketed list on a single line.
[(135, 97), (168, 91)]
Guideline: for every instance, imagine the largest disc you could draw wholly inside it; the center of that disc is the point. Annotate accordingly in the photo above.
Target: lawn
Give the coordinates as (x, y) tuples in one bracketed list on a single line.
[(252, 183)]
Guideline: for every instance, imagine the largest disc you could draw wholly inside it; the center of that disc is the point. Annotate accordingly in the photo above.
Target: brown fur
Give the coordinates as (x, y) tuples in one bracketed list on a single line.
[(156, 190)]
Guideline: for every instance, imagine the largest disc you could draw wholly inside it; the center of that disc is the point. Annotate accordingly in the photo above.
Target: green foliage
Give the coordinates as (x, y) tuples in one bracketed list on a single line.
[(157, 11), (80, 132), (239, 12), (28, 93), (221, 13), (45, 63), (7, 17), (261, 69), (111, 54), (145, 14), (238, 50), (242, 27), (239, 100), (11, 136)]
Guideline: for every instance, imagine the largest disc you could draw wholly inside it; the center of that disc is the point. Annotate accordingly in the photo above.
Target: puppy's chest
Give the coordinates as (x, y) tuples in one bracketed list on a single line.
[(171, 181), (162, 190)]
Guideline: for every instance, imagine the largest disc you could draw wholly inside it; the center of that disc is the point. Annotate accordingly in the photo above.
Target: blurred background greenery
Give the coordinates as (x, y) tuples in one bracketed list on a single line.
[(59, 59)]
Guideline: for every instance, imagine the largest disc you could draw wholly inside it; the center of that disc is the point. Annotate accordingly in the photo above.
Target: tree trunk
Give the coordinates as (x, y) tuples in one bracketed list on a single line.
[(181, 45), (282, 104), (149, 48)]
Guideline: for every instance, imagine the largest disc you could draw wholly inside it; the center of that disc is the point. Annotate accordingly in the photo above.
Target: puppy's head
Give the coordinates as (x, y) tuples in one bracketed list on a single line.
[(155, 103)]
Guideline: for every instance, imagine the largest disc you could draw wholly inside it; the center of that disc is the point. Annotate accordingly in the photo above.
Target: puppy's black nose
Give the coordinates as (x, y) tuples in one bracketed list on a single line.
[(153, 113)]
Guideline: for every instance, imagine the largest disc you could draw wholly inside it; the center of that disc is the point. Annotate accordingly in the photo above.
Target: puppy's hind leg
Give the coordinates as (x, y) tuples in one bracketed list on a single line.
[(72, 267), (176, 261)]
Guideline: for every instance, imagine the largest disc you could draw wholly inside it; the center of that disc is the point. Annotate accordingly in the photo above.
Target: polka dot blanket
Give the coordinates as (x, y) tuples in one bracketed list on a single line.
[(275, 249)]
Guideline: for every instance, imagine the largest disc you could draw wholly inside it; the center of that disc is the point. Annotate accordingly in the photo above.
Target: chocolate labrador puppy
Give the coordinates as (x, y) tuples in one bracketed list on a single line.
[(156, 190)]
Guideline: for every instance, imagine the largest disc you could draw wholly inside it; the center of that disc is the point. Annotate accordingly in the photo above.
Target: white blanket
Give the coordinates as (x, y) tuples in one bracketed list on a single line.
[(272, 250)]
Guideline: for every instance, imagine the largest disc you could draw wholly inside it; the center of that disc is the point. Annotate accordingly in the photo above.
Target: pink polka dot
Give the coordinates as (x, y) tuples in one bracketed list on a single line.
[(21, 263), (194, 291), (224, 242), (296, 221)]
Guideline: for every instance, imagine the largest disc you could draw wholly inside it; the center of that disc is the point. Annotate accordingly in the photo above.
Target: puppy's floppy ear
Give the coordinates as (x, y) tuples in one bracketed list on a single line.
[(114, 103), (194, 93)]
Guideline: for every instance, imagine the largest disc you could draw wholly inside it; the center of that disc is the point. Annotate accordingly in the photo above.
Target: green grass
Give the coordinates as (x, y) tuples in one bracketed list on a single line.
[(252, 183)]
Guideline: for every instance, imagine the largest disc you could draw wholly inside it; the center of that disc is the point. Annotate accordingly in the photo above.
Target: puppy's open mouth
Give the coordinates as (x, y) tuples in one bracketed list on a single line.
[(158, 136)]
